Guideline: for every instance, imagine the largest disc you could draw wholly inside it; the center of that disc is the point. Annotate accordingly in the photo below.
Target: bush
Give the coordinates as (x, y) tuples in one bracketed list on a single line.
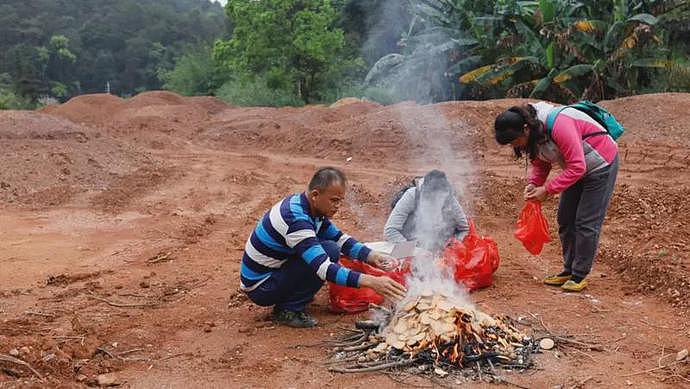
[(256, 92), (194, 73), (10, 100)]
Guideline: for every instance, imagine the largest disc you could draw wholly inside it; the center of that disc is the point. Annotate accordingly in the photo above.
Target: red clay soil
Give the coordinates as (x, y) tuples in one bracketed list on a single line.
[(123, 224)]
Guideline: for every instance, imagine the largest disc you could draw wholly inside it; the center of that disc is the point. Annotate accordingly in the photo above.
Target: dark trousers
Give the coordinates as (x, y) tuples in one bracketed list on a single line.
[(581, 213), (293, 285)]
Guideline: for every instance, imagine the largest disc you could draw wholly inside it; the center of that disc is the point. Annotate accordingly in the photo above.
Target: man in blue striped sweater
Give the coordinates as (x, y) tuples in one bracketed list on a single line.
[(295, 248)]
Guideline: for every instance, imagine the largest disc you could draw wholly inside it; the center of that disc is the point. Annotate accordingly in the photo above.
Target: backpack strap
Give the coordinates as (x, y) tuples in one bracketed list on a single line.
[(586, 108), (551, 119)]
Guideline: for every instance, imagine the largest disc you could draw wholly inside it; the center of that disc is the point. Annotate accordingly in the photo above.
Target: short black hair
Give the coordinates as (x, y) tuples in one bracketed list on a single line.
[(436, 181), (325, 177)]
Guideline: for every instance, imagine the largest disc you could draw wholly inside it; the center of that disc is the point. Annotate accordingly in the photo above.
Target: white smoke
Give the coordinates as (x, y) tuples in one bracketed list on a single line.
[(428, 128)]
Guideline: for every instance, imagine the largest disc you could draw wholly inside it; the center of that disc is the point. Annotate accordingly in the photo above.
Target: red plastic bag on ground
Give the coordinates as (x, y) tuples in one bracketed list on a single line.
[(532, 228), (352, 300), (473, 261)]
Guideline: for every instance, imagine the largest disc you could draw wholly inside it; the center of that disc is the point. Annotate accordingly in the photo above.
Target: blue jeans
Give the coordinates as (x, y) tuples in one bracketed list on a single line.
[(293, 285)]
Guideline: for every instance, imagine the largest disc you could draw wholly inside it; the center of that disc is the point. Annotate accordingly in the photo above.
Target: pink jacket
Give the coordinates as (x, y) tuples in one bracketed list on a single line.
[(575, 156)]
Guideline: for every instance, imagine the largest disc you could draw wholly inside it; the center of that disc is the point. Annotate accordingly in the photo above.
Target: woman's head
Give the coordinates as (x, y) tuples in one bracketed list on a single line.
[(520, 128), (436, 186)]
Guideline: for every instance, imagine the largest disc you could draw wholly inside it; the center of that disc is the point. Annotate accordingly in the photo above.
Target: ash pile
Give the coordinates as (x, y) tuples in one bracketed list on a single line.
[(434, 333)]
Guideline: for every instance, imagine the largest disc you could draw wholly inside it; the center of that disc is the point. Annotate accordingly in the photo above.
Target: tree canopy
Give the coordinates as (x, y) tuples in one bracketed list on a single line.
[(67, 47)]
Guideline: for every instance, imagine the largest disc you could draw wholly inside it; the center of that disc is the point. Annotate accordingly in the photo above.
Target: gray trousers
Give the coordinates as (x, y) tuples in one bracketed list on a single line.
[(581, 213)]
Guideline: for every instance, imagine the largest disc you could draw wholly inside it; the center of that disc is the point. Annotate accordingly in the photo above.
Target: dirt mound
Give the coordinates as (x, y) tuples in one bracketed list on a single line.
[(155, 119), (653, 117), (361, 129), (156, 98), (211, 104), (94, 109), (46, 159)]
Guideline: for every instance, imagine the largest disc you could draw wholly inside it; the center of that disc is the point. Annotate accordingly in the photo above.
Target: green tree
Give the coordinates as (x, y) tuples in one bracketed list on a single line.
[(62, 48), (291, 43), (195, 73)]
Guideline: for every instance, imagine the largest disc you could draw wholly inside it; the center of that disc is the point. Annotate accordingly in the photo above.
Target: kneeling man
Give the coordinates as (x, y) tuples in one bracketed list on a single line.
[(295, 248)]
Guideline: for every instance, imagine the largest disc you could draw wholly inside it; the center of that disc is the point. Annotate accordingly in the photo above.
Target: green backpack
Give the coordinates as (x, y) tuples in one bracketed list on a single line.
[(613, 127)]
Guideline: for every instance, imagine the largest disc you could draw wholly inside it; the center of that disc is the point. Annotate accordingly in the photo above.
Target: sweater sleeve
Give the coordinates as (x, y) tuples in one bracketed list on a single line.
[(566, 136), (462, 227), (301, 236), (393, 230), (347, 244), (539, 172)]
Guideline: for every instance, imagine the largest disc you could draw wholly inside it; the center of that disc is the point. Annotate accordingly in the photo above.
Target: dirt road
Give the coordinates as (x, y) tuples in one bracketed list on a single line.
[(129, 264)]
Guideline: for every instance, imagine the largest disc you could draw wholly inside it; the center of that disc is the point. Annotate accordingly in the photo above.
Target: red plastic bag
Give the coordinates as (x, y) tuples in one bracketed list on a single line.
[(352, 300), (473, 261), (532, 228)]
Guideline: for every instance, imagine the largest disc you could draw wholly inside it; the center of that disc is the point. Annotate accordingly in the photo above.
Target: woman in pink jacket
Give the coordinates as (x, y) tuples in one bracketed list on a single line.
[(588, 158)]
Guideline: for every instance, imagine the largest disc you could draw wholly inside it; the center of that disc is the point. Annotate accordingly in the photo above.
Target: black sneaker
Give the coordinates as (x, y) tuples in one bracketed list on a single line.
[(293, 319)]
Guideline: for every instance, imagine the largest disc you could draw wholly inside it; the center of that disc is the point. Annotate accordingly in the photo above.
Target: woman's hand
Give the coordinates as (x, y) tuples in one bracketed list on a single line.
[(538, 193), (528, 189)]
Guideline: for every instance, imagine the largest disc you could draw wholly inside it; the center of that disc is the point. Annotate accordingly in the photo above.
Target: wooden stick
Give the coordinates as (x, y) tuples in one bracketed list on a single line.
[(346, 344), (175, 356), (651, 370), (11, 359), (540, 322), (348, 359), (106, 352), (39, 314), (130, 351), (359, 348), (382, 366), (593, 347)]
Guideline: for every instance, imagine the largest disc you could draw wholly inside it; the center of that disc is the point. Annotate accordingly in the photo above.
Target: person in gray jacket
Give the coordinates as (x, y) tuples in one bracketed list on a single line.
[(427, 213)]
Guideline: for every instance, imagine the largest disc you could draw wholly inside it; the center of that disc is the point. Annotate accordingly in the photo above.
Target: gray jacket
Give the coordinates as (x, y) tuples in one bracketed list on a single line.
[(404, 223)]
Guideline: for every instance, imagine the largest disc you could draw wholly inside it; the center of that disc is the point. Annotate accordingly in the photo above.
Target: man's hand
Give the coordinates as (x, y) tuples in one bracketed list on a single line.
[(539, 194), (383, 261), (383, 285)]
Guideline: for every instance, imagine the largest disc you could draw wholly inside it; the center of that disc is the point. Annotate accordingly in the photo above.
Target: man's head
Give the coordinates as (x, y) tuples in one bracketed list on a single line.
[(326, 191)]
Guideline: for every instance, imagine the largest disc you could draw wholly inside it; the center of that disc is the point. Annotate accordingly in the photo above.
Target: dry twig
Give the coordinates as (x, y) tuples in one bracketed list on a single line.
[(123, 305), (652, 369), (382, 366), (39, 314), (593, 347), (540, 322), (160, 257), (17, 361)]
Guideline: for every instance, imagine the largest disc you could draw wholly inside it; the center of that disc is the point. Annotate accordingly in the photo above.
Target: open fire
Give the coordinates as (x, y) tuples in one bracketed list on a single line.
[(434, 329)]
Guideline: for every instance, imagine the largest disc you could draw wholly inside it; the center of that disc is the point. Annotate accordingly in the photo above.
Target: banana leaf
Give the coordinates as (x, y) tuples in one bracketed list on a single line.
[(644, 18), (572, 72)]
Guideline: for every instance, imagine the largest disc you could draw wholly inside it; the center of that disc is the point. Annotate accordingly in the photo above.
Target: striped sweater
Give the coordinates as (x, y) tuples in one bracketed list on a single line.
[(287, 232)]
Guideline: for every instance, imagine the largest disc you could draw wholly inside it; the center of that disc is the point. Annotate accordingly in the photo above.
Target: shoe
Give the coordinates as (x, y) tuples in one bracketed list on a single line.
[(572, 286), (293, 319), (557, 280)]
